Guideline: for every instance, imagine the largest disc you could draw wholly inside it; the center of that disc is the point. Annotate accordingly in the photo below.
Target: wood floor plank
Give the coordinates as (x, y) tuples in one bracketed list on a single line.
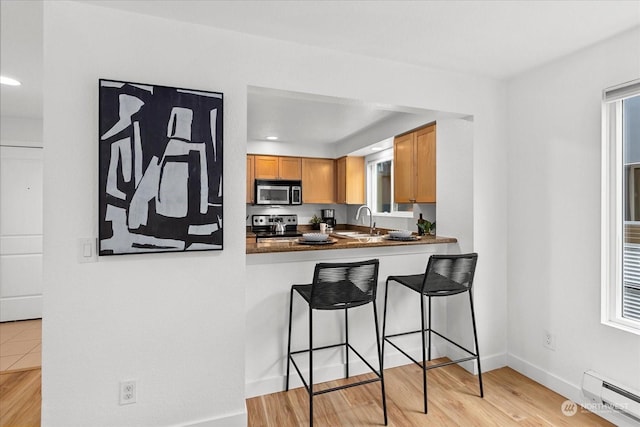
[(20, 398)]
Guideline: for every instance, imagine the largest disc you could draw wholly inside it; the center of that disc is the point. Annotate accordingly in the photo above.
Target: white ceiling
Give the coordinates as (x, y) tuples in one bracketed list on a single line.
[(21, 58), (496, 39), (491, 38)]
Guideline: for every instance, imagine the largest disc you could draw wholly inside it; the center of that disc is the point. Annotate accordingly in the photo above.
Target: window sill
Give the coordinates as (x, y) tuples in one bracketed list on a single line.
[(626, 326)]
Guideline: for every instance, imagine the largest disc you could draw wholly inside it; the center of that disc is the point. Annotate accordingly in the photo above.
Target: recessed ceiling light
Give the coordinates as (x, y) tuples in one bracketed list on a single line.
[(9, 81), (377, 148), (272, 138)]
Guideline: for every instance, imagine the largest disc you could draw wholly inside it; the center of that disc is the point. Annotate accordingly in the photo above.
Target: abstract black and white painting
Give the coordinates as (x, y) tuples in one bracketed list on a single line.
[(160, 169)]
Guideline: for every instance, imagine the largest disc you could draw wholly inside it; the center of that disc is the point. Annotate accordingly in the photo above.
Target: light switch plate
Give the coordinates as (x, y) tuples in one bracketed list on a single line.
[(87, 250)]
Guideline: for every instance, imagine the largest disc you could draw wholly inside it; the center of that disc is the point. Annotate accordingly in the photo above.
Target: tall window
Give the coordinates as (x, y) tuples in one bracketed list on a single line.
[(380, 186), (621, 207)]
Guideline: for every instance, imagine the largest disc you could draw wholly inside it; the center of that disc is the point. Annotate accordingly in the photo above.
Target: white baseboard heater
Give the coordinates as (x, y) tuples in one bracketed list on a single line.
[(603, 391)]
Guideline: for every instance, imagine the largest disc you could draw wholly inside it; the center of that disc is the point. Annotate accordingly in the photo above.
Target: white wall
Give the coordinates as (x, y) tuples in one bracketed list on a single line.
[(175, 322), (290, 149), (21, 131), (554, 219)]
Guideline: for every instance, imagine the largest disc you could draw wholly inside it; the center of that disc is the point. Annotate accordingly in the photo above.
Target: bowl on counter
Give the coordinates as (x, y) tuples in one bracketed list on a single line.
[(400, 234), (315, 237)]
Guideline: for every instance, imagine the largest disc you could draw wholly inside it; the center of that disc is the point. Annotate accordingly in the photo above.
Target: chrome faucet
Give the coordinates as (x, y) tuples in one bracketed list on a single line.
[(370, 217)]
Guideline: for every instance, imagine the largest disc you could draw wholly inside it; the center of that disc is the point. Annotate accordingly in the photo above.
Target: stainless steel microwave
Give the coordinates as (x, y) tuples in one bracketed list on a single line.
[(278, 192)]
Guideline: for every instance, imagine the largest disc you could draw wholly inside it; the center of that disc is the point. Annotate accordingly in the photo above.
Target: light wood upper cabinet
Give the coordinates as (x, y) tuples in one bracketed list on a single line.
[(290, 167), (403, 174), (414, 156), (274, 167), (426, 165), (250, 177), (266, 167), (350, 180), (318, 180)]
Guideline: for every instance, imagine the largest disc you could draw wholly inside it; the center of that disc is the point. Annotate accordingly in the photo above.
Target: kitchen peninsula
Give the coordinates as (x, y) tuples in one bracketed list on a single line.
[(293, 245), (273, 266)]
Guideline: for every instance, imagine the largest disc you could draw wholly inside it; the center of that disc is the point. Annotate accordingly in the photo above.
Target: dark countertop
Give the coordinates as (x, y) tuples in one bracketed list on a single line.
[(292, 245)]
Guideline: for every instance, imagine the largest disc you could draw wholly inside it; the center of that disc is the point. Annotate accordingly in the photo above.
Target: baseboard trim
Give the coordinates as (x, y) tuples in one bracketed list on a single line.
[(489, 363), (20, 308), (238, 419), (566, 389)]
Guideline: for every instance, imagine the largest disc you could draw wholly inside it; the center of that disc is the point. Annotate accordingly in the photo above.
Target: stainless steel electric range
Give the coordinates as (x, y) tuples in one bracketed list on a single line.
[(275, 226)]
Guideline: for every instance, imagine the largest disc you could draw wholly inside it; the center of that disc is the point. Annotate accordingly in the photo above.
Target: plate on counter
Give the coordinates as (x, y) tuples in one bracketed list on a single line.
[(316, 242), (401, 239)]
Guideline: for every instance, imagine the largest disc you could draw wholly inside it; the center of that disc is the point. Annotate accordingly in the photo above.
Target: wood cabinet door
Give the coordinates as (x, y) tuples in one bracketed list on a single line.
[(403, 171), (425, 165), (341, 180), (250, 178), (355, 177), (290, 168), (266, 167), (318, 180), (350, 180)]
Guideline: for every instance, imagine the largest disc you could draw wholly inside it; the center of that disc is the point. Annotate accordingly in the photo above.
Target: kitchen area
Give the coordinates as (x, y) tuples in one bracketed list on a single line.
[(289, 196), (359, 196)]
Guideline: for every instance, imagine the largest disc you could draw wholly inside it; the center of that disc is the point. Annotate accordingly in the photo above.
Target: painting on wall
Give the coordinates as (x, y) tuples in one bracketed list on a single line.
[(160, 160)]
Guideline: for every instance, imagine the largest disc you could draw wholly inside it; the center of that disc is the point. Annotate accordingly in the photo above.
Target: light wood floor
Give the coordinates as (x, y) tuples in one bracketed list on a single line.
[(20, 345), (20, 398), (510, 399)]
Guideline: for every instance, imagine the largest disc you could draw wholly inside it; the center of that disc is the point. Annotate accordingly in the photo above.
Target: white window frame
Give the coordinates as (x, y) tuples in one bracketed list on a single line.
[(372, 161), (612, 231)]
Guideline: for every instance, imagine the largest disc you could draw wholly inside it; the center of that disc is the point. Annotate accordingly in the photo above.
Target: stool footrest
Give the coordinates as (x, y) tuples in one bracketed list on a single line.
[(372, 380), (452, 362), (295, 365), (386, 338)]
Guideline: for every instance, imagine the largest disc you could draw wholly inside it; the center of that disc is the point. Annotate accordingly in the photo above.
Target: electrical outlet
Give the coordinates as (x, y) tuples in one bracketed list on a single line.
[(127, 392), (549, 340)]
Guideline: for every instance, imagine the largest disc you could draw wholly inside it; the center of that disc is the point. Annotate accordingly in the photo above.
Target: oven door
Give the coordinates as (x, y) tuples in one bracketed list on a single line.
[(272, 194)]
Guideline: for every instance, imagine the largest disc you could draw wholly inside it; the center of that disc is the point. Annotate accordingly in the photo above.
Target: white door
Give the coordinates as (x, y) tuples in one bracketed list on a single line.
[(20, 233)]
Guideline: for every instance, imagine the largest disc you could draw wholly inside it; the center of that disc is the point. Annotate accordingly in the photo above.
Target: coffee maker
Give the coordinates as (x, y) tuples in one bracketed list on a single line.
[(329, 217)]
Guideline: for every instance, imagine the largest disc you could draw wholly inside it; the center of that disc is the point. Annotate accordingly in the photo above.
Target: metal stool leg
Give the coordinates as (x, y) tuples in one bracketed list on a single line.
[(475, 337), (424, 362), (384, 399), (346, 335), (289, 340), (310, 367), (384, 323), (429, 328)]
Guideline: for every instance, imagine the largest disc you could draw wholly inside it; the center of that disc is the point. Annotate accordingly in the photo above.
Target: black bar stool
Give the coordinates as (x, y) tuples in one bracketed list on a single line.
[(338, 286), (445, 275)]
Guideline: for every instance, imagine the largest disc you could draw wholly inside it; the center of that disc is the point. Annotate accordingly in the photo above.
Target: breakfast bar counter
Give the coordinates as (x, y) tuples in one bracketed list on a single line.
[(262, 246)]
